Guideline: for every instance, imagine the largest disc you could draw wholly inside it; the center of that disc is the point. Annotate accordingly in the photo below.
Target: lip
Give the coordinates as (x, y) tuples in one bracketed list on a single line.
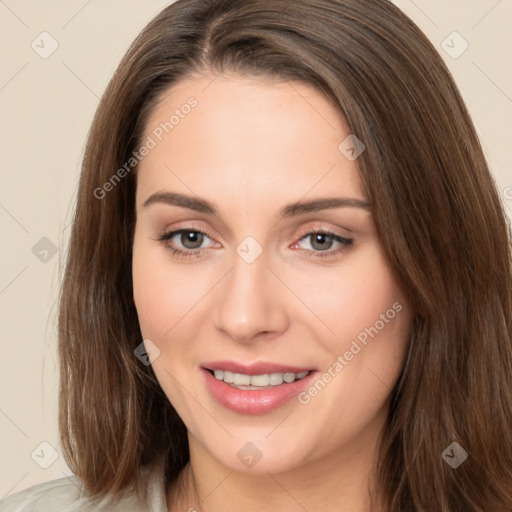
[(257, 368), (250, 401)]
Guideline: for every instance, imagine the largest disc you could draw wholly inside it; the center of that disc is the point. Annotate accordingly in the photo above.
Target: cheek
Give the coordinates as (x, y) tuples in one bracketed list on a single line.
[(154, 292), (355, 296), (161, 299), (169, 299)]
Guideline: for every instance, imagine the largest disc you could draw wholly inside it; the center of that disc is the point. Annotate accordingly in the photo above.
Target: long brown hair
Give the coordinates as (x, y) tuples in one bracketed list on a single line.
[(438, 214)]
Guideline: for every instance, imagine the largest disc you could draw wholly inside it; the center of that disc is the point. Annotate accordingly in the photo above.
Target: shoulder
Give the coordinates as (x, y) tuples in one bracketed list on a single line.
[(67, 495), (58, 495)]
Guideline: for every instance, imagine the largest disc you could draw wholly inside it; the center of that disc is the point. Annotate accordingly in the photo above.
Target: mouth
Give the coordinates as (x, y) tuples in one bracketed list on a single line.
[(255, 382), (255, 389)]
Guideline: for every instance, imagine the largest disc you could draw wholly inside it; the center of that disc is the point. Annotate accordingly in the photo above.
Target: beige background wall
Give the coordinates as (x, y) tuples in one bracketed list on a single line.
[(46, 106)]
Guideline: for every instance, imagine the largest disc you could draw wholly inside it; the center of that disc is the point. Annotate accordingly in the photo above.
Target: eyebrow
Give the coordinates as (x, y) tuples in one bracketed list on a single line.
[(290, 210)]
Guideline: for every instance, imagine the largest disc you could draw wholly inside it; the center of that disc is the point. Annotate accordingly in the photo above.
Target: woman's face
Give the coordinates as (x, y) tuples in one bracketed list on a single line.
[(278, 271)]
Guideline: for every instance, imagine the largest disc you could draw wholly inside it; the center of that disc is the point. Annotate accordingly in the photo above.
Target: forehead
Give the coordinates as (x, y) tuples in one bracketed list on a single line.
[(234, 137)]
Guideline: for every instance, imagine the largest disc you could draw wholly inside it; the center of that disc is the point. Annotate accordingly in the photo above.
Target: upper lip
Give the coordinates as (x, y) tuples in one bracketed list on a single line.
[(257, 368)]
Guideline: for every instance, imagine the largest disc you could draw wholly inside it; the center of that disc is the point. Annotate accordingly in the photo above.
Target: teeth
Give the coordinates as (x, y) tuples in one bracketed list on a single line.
[(219, 374), (289, 377), (260, 381), (275, 379), (241, 380)]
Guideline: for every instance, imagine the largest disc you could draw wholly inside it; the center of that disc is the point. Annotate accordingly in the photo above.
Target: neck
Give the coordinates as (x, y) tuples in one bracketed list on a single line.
[(336, 481)]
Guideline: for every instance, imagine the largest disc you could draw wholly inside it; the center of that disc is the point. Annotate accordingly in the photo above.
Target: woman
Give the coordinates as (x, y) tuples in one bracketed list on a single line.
[(289, 278)]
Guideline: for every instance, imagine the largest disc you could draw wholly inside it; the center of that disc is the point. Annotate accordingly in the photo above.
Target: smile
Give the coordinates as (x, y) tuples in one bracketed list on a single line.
[(263, 381), (255, 393)]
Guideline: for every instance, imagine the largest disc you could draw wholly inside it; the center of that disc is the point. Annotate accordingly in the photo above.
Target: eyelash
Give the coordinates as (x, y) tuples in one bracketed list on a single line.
[(164, 238)]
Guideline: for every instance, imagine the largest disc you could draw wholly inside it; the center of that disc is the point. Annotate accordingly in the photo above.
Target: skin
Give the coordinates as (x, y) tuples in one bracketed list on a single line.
[(252, 146)]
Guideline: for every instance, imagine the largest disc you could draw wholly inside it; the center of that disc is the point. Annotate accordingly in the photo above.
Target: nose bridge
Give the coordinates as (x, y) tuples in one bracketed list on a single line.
[(247, 302)]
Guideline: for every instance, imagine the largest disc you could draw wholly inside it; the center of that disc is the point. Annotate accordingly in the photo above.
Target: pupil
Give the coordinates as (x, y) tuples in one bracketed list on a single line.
[(192, 237), (319, 237)]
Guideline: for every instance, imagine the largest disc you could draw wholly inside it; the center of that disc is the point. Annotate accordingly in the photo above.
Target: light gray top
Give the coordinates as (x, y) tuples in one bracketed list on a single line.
[(66, 495)]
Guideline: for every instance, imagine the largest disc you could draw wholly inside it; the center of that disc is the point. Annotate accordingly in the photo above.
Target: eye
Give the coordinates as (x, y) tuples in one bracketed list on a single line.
[(184, 242), (190, 239), (187, 243), (322, 242)]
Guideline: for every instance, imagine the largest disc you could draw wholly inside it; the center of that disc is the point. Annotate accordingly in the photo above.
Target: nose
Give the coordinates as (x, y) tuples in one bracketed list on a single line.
[(250, 302)]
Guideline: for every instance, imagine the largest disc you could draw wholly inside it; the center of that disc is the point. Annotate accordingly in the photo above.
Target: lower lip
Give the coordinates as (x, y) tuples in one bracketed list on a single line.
[(254, 401)]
